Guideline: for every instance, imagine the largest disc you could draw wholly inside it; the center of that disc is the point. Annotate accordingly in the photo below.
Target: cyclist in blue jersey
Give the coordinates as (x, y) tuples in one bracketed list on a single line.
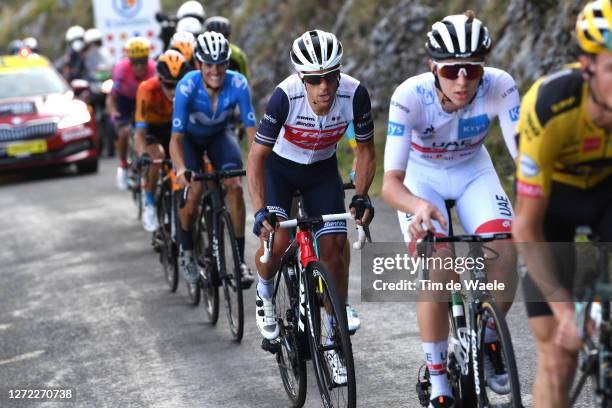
[(203, 104)]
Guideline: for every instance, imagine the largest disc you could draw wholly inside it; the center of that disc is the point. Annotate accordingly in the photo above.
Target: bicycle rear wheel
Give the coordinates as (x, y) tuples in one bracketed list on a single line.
[(168, 251), (231, 275), (490, 311), (460, 369), (291, 363), (330, 342)]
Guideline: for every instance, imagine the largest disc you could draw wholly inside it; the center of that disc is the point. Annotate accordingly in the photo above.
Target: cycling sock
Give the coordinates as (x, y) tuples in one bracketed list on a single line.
[(148, 198), (328, 322), (185, 238), (435, 357), (490, 332), (265, 288), (240, 242), (123, 163)]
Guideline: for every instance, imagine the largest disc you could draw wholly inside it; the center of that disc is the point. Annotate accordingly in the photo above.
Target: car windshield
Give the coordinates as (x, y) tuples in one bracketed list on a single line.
[(31, 82)]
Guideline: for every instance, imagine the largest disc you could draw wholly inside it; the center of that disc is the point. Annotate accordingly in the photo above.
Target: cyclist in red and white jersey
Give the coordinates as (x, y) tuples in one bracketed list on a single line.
[(434, 152)]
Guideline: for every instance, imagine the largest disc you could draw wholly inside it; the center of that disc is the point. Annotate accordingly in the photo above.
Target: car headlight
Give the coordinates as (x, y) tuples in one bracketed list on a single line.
[(76, 118)]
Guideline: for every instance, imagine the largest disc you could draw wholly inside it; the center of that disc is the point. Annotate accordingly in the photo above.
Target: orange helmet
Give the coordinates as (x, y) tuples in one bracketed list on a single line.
[(172, 66), (184, 42)]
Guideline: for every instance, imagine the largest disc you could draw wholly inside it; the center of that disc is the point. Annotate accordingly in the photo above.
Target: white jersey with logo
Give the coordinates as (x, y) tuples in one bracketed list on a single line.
[(420, 129), (443, 154), (296, 133)]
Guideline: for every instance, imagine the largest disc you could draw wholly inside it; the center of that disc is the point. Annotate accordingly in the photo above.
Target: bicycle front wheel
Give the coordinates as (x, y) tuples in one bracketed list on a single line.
[(231, 275), (291, 363), (168, 251), (203, 255), (330, 343), (490, 314)]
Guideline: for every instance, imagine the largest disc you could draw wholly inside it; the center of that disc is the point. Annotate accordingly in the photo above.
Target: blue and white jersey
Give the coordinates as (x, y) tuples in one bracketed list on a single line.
[(418, 126), (192, 106), (296, 133)]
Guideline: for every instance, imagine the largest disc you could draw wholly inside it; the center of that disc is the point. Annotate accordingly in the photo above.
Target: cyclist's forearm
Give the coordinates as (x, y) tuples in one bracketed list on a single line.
[(140, 136), (250, 131), (365, 167), (176, 152), (396, 194)]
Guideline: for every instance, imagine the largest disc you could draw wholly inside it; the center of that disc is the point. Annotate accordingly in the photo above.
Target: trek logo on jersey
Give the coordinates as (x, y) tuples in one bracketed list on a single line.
[(313, 139), (514, 113), (474, 126), (395, 129)]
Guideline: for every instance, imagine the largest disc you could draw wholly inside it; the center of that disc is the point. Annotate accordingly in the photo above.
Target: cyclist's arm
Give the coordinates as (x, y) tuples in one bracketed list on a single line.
[(251, 132), (265, 138), (247, 113), (111, 100), (397, 151), (509, 103), (180, 116), (540, 142), (363, 124), (140, 120)]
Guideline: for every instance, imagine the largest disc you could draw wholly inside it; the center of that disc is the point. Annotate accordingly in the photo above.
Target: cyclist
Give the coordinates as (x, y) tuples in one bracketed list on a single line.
[(202, 105), (564, 180), (191, 9), (74, 65), (32, 44), (184, 42), (127, 75), (96, 58), (295, 149), (153, 123), (238, 61), (191, 25), (434, 152)]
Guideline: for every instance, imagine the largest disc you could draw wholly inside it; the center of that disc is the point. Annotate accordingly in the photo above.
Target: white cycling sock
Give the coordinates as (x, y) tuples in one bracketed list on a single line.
[(328, 322), (265, 287), (435, 357)]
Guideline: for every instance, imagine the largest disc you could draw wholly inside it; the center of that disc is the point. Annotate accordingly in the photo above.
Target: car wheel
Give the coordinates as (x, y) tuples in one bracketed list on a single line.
[(88, 167)]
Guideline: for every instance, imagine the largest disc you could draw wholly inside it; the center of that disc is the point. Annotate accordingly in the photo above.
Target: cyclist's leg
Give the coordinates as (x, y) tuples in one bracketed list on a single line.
[(224, 153), (432, 317), (192, 154), (155, 151), (483, 207), (125, 107)]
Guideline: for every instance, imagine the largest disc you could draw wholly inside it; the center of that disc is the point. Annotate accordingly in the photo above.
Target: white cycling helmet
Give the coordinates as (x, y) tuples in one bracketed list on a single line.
[(31, 43), (458, 36), (191, 25), (316, 50), (92, 35), (191, 8), (74, 33)]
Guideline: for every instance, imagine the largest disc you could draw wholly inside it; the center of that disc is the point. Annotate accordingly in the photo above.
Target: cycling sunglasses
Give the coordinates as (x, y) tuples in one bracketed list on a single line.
[(315, 79), (168, 85), (471, 70)]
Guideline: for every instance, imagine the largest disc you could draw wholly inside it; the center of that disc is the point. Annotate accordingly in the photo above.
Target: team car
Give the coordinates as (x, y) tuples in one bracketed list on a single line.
[(42, 123)]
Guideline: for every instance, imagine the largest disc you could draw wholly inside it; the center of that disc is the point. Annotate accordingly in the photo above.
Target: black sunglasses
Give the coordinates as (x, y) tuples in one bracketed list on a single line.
[(315, 79), (139, 61)]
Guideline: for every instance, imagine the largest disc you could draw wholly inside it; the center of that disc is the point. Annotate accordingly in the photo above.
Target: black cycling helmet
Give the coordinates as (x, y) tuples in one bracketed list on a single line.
[(219, 24)]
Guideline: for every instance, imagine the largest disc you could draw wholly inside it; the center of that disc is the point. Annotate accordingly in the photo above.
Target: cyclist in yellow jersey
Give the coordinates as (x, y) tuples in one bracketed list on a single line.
[(564, 180), (238, 60)]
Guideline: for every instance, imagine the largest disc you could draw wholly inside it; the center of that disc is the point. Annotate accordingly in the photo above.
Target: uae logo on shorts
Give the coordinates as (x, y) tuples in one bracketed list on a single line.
[(127, 8)]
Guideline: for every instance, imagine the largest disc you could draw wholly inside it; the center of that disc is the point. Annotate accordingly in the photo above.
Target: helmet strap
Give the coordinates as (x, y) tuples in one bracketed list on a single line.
[(445, 97)]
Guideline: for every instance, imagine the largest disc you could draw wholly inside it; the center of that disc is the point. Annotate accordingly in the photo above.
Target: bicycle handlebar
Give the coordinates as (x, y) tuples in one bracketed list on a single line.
[(269, 243)]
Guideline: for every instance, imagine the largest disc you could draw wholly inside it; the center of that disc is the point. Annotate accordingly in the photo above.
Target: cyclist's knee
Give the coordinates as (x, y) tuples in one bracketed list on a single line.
[(233, 185), (556, 364)]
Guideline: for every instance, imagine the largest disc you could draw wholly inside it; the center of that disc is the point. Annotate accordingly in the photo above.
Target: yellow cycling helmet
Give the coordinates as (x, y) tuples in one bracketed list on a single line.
[(137, 47), (593, 27)]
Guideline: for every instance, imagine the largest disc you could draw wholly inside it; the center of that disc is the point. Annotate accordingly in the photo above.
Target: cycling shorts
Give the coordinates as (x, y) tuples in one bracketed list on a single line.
[(221, 149), (570, 207), (125, 108), (319, 183), (159, 134)]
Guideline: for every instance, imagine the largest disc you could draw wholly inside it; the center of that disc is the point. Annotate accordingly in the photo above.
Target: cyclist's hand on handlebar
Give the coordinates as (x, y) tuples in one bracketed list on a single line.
[(362, 209), (421, 222), (265, 223), (181, 179), (567, 332)]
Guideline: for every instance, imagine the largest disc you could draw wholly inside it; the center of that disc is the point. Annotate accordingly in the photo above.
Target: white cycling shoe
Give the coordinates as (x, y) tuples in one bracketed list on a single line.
[(149, 218), (352, 318), (336, 366), (265, 315)]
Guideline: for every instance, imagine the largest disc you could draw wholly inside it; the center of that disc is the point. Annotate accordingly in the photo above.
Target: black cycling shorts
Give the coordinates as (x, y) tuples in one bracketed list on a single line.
[(570, 207)]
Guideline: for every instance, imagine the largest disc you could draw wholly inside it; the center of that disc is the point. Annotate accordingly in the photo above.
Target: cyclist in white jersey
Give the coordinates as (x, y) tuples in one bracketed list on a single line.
[(295, 149), (434, 152)]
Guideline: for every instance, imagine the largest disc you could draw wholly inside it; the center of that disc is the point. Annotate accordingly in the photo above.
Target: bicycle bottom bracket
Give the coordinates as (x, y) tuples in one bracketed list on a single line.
[(271, 346), (423, 386)]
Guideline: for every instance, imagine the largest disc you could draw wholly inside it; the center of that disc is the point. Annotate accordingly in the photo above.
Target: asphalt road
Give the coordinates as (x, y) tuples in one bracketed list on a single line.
[(83, 305)]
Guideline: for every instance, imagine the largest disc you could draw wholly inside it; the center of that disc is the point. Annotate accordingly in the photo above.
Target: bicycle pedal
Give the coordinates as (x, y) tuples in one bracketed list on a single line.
[(271, 346), (423, 386)]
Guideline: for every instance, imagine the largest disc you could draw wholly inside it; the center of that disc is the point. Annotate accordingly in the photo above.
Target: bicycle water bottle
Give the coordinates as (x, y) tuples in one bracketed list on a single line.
[(457, 310)]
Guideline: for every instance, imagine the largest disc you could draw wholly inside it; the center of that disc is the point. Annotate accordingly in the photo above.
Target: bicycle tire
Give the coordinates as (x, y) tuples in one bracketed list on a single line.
[(291, 365), (209, 278), (490, 309), (462, 384), (332, 395), (169, 251), (231, 275)]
